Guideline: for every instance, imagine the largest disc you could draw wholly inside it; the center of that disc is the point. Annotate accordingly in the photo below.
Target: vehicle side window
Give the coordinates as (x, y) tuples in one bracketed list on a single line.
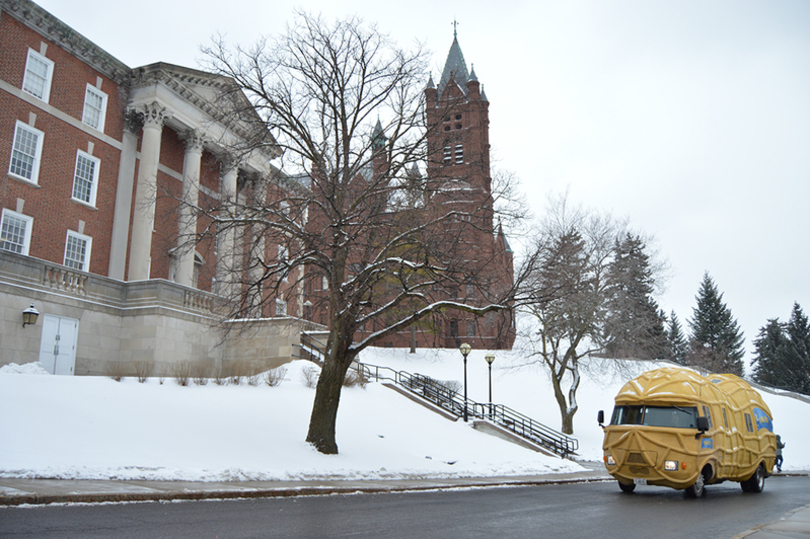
[(708, 415), (725, 418), (748, 423)]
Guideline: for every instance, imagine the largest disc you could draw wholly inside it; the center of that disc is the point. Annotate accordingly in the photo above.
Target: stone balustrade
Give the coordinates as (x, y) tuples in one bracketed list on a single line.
[(64, 279), (35, 274)]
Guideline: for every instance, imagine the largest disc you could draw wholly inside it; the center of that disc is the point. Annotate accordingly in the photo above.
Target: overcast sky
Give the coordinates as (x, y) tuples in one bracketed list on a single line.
[(689, 118)]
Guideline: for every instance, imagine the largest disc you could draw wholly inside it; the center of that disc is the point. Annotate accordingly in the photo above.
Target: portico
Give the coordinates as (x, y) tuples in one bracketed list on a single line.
[(165, 96)]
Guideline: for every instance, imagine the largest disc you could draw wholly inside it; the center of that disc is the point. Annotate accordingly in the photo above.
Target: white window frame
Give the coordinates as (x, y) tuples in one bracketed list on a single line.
[(37, 157), (281, 307), (94, 180), (87, 249), (46, 90), (448, 155), (29, 224), (458, 153), (92, 90)]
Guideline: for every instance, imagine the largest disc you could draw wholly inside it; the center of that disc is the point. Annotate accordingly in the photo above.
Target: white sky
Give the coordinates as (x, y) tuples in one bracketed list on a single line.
[(690, 118)]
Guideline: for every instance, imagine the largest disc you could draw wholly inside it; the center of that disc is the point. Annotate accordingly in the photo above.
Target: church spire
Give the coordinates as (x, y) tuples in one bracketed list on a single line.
[(454, 66)]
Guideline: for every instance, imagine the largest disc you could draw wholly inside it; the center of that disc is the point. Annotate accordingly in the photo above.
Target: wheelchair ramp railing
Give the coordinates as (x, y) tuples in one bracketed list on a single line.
[(310, 348), (450, 400)]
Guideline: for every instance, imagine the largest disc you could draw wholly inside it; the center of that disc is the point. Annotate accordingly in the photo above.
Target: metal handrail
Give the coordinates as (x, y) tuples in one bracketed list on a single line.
[(310, 348), (450, 400)]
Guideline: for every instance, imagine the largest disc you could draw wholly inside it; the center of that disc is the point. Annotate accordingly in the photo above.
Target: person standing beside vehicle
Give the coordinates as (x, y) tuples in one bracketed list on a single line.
[(779, 459)]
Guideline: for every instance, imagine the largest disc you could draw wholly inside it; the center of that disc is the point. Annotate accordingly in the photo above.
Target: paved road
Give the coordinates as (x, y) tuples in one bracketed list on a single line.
[(569, 511)]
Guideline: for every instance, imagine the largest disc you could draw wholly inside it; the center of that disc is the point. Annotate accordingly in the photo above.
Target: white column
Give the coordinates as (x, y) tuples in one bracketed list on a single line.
[(123, 196), (143, 220), (227, 271), (187, 238), (258, 251)]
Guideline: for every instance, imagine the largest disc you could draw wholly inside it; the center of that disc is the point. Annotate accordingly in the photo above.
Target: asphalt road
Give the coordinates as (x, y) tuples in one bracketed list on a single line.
[(597, 510)]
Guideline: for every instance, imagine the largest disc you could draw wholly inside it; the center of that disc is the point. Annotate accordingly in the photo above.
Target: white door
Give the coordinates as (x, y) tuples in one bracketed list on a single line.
[(57, 349)]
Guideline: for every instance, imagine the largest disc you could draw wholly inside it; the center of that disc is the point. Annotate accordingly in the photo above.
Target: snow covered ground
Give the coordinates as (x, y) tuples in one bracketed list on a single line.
[(96, 428)]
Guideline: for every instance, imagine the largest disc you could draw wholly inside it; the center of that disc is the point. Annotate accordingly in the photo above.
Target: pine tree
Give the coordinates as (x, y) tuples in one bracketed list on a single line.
[(717, 341), (676, 340), (768, 346), (635, 325), (795, 355)]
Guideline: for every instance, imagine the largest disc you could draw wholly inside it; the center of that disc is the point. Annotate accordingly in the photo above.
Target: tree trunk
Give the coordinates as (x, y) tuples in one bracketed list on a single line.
[(568, 421), (566, 416), (327, 398)]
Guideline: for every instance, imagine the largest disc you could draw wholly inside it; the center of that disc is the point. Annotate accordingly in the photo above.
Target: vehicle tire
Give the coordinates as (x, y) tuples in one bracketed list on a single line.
[(627, 488), (755, 483), (698, 490)]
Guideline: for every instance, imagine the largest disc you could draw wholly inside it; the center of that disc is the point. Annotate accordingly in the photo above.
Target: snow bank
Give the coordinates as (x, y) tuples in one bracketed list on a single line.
[(96, 428), (28, 368)]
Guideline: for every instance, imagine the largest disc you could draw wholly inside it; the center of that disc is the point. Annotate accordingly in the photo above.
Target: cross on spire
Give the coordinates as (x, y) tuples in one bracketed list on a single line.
[(455, 27)]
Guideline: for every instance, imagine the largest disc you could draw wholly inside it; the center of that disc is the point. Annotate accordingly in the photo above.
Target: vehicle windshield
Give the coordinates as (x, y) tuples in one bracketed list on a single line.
[(655, 416)]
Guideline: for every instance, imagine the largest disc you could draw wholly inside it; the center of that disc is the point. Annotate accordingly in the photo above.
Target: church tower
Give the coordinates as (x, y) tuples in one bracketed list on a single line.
[(458, 114), (458, 173)]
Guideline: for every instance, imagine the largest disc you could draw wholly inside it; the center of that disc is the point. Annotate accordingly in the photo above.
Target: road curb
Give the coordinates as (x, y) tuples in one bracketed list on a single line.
[(202, 494), (770, 525)]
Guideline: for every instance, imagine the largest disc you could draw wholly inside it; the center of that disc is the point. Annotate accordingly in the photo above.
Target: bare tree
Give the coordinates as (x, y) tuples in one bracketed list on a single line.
[(566, 295), (355, 226)]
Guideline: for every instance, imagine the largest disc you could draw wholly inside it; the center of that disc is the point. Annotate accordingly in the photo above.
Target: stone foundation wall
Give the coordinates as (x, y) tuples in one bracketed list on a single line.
[(122, 324)]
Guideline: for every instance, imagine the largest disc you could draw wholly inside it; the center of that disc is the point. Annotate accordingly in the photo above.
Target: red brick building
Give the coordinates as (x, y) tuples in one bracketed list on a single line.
[(101, 165), (101, 162), (457, 179)]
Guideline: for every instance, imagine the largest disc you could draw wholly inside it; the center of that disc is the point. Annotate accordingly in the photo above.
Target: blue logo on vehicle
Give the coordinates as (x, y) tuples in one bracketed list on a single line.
[(762, 419), (706, 443)]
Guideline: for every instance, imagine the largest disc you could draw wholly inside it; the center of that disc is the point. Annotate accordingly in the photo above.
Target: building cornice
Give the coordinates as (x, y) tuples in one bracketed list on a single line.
[(53, 29), (180, 80)]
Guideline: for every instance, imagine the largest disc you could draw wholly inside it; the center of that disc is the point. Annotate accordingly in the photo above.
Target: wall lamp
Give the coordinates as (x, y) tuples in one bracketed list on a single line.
[(30, 316)]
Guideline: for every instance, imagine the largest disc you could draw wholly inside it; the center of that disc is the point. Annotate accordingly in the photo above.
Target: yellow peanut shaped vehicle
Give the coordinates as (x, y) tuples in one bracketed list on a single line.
[(672, 427)]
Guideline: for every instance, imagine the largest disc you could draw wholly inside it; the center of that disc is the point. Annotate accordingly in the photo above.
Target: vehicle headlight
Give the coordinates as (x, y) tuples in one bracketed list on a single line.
[(671, 465), (610, 460)]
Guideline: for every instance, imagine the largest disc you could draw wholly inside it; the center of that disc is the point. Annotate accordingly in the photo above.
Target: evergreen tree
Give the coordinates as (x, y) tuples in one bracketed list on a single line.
[(634, 325), (717, 341), (768, 346), (676, 340), (795, 355)]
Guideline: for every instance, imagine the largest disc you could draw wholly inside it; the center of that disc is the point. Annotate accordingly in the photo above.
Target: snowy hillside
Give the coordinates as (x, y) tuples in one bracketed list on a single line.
[(93, 427)]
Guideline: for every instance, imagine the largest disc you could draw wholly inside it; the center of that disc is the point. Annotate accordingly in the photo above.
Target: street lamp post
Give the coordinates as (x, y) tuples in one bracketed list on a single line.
[(490, 357), (465, 350)]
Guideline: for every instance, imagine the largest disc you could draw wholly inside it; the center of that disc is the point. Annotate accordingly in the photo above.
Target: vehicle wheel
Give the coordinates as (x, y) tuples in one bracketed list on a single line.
[(756, 482), (698, 489), (627, 488)]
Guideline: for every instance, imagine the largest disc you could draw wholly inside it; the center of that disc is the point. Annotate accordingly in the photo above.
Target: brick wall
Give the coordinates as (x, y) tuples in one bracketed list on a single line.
[(49, 201)]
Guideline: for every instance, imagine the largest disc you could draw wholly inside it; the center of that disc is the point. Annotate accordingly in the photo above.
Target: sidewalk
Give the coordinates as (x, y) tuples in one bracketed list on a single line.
[(794, 523), (45, 491)]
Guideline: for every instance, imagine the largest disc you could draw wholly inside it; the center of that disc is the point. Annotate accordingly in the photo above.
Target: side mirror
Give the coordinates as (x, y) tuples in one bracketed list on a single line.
[(702, 425), (600, 417)]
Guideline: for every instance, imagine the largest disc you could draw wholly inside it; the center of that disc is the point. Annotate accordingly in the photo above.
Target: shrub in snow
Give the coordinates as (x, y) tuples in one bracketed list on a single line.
[(181, 372), (355, 378), (309, 376), (200, 372), (115, 370), (143, 369), (275, 376), (220, 375), (238, 371), (254, 379)]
